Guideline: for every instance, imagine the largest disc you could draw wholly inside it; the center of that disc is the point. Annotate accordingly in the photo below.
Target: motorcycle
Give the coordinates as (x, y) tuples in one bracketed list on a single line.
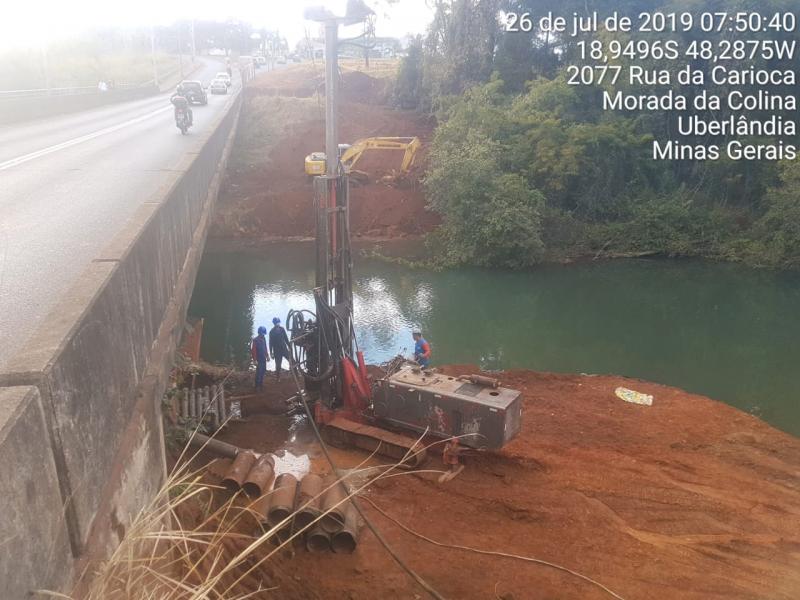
[(182, 120)]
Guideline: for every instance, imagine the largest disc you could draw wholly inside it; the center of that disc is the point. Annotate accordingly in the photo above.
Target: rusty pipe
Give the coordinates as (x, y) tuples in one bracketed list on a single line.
[(332, 506), (308, 500), (259, 477), (199, 440), (345, 541), (239, 469), (318, 540), (482, 380), (282, 499), (255, 515)]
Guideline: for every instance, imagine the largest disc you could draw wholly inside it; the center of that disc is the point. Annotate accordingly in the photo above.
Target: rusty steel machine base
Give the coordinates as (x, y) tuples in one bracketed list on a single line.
[(344, 433)]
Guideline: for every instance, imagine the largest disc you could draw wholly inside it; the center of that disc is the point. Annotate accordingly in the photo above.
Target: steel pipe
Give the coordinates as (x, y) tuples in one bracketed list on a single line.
[(308, 500), (239, 469), (318, 540), (333, 507), (259, 477), (223, 413), (484, 381), (346, 540), (282, 499), (198, 440), (256, 515), (215, 407)]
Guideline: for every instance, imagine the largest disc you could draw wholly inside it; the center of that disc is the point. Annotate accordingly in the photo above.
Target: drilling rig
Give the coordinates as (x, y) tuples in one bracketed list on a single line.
[(351, 408)]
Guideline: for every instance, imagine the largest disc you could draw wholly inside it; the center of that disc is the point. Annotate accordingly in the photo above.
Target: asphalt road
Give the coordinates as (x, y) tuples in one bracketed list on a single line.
[(68, 184)]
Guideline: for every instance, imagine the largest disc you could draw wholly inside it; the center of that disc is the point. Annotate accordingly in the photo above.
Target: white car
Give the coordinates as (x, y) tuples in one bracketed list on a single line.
[(224, 77), (218, 86)]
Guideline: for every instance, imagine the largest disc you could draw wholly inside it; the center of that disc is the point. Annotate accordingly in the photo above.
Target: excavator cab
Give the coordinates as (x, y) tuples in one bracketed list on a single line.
[(316, 162)]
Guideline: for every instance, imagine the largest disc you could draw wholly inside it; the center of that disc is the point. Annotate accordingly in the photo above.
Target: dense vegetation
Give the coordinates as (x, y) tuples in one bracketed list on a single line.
[(525, 167)]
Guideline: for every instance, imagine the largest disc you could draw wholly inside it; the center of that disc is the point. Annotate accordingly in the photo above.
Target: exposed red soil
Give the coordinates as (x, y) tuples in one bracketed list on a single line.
[(274, 198), (687, 498)]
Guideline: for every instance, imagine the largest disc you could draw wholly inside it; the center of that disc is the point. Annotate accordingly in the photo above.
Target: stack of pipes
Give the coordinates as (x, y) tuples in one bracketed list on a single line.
[(317, 507), (205, 404)]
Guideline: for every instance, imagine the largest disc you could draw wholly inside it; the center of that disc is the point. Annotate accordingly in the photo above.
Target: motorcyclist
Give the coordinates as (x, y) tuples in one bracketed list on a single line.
[(180, 102)]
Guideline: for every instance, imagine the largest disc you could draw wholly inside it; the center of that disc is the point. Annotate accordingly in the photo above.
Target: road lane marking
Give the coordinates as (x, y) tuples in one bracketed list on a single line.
[(78, 140)]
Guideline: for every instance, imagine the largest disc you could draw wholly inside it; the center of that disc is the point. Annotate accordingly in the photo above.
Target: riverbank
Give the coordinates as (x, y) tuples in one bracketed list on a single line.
[(687, 498), (266, 195)]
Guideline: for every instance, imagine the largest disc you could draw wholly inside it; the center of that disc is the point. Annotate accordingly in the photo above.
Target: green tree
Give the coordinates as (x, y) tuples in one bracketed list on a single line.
[(491, 218)]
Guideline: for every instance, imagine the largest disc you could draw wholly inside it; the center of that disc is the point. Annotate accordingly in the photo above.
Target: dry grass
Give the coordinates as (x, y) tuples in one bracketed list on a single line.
[(193, 542), (380, 67)]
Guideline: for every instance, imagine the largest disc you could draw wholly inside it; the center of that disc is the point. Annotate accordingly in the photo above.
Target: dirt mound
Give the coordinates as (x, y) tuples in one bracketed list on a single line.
[(299, 81), (266, 193), (304, 81), (684, 499), (361, 88)]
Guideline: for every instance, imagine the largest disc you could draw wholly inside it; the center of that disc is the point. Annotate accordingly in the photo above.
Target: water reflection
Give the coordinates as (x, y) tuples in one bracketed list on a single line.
[(720, 330)]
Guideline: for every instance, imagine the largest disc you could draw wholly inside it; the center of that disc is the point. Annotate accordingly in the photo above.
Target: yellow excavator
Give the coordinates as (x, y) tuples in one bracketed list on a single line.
[(349, 154)]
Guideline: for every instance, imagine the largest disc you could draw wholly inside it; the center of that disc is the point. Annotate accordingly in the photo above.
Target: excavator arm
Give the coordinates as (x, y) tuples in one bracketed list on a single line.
[(349, 157), (410, 145)]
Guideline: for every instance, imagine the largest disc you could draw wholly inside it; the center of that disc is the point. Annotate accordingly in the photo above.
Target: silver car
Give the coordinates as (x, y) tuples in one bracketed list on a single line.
[(218, 86)]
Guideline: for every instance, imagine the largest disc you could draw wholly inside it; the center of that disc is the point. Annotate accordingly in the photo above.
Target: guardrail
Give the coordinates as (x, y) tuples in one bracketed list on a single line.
[(71, 91)]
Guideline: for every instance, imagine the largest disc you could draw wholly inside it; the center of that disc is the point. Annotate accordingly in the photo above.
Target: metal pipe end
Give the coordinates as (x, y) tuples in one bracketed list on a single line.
[(318, 541), (343, 542)]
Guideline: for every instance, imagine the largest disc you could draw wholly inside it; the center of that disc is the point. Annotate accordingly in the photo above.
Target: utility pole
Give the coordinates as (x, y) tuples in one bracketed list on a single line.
[(45, 67), (180, 52), (331, 89), (194, 49), (153, 54)]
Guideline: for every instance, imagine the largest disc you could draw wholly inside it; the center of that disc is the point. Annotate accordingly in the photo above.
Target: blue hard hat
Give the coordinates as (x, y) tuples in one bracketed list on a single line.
[(275, 321), (262, 329)]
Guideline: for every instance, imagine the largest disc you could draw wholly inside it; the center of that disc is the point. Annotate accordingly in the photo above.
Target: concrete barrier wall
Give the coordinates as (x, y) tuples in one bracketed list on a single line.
[(15, 110), (99, 367), (33, 533)]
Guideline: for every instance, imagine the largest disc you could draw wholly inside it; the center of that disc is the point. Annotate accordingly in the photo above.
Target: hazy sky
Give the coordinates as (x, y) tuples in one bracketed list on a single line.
[(30, 22)]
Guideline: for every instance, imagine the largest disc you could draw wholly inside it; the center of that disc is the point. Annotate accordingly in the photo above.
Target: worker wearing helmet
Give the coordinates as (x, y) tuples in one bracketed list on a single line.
[(278, 345), (422, 349), (260, 355)]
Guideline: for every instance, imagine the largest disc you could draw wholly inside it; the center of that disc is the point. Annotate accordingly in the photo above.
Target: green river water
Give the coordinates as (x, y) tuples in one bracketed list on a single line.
[(722, 330)]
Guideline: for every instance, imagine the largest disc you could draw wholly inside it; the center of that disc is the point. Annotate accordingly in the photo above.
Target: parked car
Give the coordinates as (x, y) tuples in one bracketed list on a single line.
[(194, 92), (261, 60), (281, 60), (218, 86), (224, 77)]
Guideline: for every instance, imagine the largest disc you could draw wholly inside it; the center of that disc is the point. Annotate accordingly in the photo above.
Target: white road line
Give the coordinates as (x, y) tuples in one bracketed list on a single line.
[(78, 140)]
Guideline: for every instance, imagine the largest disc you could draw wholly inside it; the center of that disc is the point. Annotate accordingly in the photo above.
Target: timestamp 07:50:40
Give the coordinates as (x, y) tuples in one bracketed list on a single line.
[(655, 22)]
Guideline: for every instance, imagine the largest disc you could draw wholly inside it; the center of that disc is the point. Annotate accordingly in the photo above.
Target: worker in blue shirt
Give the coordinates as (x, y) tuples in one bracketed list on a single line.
[(278, 345), (422, 349), (260, 354)]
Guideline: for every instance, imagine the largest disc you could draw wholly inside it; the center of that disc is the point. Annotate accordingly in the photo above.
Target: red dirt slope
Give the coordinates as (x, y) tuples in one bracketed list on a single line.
[(270, 196), (685, 499)]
